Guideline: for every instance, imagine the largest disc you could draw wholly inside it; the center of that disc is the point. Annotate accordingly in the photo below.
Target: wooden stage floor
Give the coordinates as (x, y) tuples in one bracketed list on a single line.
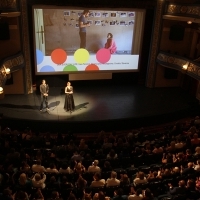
[(99, 107)]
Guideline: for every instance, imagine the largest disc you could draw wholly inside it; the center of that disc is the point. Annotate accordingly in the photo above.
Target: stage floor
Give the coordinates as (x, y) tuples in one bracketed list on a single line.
[(101, 103)]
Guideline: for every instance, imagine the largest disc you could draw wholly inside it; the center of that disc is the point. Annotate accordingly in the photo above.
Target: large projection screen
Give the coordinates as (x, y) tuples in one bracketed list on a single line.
[(57, 40)]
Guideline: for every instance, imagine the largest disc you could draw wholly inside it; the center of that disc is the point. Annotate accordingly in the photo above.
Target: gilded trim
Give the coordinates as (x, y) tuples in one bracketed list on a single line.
[(177, 63), (26, 46), (155, 44), (8, 4), (184, 10)]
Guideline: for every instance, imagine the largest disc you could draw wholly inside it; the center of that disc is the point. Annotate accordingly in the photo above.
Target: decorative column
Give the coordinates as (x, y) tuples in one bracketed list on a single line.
[(26, 46), (155, 42)]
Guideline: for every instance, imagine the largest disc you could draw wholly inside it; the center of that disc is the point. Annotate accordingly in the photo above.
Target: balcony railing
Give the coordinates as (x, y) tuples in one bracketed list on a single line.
[(182, 64)]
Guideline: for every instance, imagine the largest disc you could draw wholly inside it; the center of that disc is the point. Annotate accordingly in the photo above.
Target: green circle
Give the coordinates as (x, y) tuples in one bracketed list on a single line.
[(81, 56), (70, 68)]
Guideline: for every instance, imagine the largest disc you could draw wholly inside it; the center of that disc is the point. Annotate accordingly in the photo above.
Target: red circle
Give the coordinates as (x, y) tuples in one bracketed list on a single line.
[(58, 56), (91, 67)]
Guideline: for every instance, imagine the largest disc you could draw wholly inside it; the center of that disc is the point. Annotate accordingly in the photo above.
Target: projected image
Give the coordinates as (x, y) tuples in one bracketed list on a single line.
[(69, 40)]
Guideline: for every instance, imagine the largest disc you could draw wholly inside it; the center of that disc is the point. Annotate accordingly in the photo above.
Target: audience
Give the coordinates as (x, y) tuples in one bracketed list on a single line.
[(98, 182), (94, 167), (140, 178), (38, 167), (44, 166), (38, 181), (113, 181)]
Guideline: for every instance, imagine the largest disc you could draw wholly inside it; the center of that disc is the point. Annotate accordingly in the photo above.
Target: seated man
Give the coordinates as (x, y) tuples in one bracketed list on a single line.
[(98, 182), (173, 191), (38, 167), (113, 181), (94, 167)]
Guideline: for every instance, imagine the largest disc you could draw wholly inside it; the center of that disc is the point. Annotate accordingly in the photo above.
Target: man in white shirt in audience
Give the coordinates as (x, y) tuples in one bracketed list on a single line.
[(94, 167), (38, 167), (98, 182), (113, 181)]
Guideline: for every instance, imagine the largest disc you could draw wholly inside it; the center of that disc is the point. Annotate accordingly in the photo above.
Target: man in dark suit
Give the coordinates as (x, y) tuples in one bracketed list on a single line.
[(189, 169), (181, 190), (44, 90), (175, 191)]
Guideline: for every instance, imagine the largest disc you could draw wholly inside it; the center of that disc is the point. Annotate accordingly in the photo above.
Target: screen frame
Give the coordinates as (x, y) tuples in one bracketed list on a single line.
[(89, 8)]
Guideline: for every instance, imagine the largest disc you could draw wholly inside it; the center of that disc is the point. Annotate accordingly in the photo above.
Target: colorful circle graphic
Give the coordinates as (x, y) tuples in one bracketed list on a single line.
[(58, 56), (103, 55), (39, 56), (81, 56), (47, 68), (91, 67), (70, 68)]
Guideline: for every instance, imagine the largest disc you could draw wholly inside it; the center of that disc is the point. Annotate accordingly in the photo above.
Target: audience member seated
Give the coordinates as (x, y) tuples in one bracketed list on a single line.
[(77, 157), (188, 170), (112, 154), (23, 183), (192, 192), (195, 140), (197, 166), (99, 196), (65, 184), (179, 158), (7, 194), (52, 168), (38, 195), (99, 154), (65, 169), (140, 178), (157, 149), (167, 158), (39, 182), (153, 177), (148, 195), (107, 167), (188, 155), (181, 190), (83, 146), (176, 172), (72, 147), (135, 195), (172, 147), (107, 144), (165, 174), (113, 181), (55, 196), (25, 167), (124, 181), (38, 155), (79, 168), (21, 195), (81, 185), (98, 182), (197, 151), (179, 144), (94, 167), (118, 195), (52, 184), (38, 167)]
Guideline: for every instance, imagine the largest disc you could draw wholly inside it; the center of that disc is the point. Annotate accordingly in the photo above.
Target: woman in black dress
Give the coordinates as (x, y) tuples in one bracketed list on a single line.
[(69, 99)]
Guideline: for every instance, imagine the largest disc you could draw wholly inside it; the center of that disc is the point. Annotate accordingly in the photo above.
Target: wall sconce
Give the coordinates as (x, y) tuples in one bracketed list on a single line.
[(189, 22), (1, 90), (7, 70), (185, 67)]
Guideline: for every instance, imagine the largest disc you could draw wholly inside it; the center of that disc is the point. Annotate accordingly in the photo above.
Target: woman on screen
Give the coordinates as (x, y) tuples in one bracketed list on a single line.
[(69, 99), (110, 44)]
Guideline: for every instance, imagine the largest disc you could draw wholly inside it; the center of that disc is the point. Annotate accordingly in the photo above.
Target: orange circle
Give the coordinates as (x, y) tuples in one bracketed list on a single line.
[(58, 56), (91, 67)]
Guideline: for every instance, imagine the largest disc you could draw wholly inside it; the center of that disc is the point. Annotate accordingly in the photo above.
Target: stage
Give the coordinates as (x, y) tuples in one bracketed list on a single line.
[(99, 107)]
